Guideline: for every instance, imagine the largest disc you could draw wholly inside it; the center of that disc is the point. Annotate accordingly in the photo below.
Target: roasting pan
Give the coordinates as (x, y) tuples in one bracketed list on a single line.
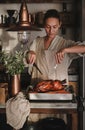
[(50, 96)]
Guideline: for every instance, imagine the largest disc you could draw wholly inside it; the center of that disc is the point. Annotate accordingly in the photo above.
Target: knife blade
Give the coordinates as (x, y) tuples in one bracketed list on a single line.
[(37, 68)]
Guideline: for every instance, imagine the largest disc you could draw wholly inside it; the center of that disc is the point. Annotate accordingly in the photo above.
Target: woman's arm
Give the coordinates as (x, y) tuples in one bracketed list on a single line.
[(31, 57), (31, 53), (74, 49)]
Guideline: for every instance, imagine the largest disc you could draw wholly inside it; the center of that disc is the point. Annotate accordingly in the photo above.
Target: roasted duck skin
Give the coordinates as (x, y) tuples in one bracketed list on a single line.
[(48, 85), (43, 86), (57, 85)]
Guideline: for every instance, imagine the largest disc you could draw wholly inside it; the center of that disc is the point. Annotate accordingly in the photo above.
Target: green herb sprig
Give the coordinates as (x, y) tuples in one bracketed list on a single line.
[(14, 63)]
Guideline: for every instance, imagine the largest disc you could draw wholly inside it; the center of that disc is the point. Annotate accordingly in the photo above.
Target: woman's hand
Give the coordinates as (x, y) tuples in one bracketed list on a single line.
[(59, 56), (31, 57)]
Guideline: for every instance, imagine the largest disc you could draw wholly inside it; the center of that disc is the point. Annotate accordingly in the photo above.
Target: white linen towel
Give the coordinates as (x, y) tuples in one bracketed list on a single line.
[(17, 111)]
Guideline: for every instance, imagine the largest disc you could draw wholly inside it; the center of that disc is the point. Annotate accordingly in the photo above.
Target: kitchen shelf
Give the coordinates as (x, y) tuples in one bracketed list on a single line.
[(35, 1), (3, 26)]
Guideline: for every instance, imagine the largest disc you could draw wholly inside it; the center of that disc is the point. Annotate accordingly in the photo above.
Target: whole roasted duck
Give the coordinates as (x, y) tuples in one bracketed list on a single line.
[(49, 85)]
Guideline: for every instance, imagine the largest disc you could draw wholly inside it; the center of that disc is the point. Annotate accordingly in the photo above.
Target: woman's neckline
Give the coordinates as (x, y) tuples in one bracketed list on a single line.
[(47, 42)]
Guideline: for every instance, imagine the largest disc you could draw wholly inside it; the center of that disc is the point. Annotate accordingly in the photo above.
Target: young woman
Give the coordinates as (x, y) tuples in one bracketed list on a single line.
[(54, 47)]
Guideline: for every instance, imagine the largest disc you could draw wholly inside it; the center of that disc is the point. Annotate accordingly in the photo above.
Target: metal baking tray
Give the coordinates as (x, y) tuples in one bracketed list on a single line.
[(50, 96)]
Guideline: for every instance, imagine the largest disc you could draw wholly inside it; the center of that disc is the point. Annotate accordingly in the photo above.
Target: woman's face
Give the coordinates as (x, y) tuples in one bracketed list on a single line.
[(52, 26)]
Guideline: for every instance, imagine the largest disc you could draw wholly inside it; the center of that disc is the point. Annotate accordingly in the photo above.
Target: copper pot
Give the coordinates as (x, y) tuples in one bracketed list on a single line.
[(15, 85)]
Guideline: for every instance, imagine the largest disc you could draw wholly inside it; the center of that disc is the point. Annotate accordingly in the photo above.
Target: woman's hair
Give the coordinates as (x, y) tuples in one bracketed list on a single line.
[(51, 13)]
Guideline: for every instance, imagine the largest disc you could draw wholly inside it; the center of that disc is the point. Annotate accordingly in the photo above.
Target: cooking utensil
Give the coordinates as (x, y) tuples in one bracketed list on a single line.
[(37, 68)]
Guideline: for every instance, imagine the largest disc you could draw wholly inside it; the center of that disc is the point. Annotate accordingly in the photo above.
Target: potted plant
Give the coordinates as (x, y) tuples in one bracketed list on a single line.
[(14, 66)]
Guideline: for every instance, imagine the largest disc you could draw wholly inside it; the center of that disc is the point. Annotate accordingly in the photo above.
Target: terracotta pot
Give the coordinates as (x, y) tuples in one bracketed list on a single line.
[(15, 85)]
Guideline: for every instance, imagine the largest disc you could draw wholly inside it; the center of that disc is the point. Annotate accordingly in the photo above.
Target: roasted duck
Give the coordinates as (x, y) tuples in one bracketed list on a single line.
[(49, 85)]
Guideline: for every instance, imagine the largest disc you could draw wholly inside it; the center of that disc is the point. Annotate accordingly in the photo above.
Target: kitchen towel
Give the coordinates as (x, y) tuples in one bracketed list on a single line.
[(17, 110)]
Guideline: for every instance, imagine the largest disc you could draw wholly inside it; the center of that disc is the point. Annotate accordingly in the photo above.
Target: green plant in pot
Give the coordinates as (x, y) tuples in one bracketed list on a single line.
[(14, 66)]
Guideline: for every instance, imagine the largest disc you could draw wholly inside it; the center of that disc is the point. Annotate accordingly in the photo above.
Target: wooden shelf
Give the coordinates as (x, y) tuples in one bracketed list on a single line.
[(35, 1), (3, 26)]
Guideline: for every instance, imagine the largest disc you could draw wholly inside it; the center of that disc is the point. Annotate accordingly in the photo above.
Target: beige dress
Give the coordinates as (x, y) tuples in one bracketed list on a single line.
[(45, 59)]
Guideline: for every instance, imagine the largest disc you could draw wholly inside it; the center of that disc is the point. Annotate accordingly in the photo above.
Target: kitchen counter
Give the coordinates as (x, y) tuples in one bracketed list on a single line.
[(54, 105), (49, 105), (54, 108)]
